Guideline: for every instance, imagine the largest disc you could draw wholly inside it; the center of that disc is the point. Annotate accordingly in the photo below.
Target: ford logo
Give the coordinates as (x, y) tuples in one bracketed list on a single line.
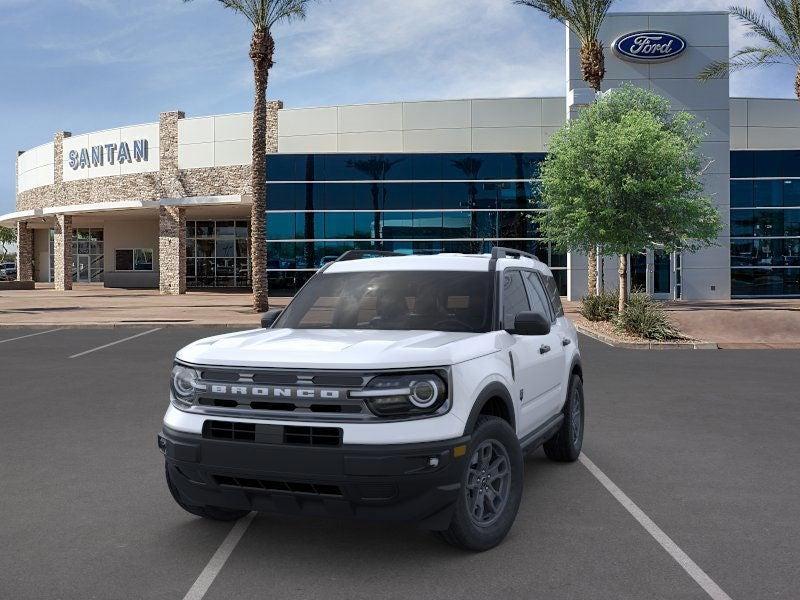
[(649, 46)]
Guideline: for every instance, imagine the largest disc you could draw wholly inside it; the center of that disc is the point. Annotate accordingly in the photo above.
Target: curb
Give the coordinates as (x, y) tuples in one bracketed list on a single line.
[(645, 345)]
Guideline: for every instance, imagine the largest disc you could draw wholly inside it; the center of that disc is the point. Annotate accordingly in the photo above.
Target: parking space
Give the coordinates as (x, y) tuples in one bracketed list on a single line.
[(703, 442)]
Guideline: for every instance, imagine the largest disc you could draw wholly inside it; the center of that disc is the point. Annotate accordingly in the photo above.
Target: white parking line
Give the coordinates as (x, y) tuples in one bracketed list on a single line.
[(115, 343), (22, 337), (214, 566), (688, 565)]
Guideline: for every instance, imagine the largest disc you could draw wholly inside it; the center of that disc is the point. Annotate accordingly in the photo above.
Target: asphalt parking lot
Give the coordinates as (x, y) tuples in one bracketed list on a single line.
[(704, 443)]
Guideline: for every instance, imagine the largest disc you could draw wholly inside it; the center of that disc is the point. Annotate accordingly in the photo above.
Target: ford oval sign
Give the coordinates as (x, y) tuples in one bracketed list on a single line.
[(649, 46)]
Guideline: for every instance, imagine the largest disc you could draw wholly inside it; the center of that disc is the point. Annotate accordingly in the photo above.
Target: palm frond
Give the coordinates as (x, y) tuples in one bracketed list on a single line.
[(787, 14), (583, 17), (263, 14), (759, 26), (745, 58)]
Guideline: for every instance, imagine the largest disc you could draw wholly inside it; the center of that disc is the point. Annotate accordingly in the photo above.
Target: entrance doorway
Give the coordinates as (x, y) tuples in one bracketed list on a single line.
[(654, 272), (87, 252)]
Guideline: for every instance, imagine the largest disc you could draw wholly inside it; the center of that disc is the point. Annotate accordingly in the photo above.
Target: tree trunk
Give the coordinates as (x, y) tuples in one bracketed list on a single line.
[(593, 70), (797, 84), (592, 271), (601, 276), (593, 67), (262, 48), (623, 282)]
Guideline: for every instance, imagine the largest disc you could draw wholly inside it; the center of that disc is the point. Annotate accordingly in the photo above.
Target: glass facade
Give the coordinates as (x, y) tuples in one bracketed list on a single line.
[(765, 223), (217, 254), (321, 205), (88, 262)]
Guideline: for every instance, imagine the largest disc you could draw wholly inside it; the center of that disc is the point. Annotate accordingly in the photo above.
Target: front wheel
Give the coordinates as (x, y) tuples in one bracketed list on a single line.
[(491, 488), (215, 513), (566, 444)]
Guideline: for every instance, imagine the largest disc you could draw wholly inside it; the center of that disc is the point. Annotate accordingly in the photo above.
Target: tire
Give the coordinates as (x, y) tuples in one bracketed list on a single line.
[(566, 444), (215, 513), (478, 532)]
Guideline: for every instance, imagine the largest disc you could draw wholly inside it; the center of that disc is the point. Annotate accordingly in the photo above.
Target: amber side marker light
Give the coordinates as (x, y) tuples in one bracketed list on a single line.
[(459, 451)]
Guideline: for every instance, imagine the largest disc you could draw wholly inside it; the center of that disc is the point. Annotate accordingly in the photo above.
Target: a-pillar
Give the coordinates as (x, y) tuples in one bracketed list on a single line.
[(24, 252), (171, 250), (62, 253)]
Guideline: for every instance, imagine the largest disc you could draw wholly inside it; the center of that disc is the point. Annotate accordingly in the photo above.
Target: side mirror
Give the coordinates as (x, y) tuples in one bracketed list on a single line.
[(531, 323), (269, 317)]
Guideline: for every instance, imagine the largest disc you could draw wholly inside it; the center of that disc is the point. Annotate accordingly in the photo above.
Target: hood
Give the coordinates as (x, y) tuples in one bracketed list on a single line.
[(338, 348)]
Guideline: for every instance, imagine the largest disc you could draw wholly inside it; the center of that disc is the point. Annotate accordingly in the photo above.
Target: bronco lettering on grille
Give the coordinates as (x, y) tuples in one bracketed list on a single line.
[(275, 392)]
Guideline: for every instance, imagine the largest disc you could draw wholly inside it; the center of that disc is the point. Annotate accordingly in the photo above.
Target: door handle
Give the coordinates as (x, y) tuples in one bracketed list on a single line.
[(544, 349), (566, 342)]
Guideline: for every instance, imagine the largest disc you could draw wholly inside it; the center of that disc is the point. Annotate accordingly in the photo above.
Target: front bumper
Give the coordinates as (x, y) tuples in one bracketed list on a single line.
[(405, 482)]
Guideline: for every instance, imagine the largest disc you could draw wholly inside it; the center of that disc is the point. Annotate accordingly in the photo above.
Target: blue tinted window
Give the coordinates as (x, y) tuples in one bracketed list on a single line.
[(397, 196), (426, 166), (768, 163), (365, 225), (426, 195), (791, 192), (339, 196), (765, 282), (742, 223), (456, 224), (281, 196), (281, 167), (339, 225), (455, 195), (741, 194), (742, 164), (398, 225), (280, 226), (366, 196), (427, 224), (768, 193)]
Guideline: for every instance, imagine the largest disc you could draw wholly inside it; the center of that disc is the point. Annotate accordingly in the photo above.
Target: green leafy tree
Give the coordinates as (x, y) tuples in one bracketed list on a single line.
[(778, 40), (263, 15), (584, 19), (8, 236), (627, 174)]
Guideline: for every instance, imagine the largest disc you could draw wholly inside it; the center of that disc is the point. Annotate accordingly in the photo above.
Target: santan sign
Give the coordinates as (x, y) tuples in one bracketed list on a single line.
[(97, 156), (649, 46)]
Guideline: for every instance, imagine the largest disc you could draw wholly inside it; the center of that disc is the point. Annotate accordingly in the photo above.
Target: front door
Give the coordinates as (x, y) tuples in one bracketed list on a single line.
[(535, 358), (662, 272), (83, 268)]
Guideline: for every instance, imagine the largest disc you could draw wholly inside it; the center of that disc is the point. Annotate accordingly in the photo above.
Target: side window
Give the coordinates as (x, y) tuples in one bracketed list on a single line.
[(515, 299), (537, 295), (552, 291)]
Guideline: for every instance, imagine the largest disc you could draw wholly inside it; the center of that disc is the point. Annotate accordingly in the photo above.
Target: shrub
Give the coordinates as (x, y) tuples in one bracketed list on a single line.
[(646, 318), (601, 307)]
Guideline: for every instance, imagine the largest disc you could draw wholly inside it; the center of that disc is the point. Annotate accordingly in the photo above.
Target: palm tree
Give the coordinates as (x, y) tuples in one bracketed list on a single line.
[(584, 19), (263, 15), (780, 41)]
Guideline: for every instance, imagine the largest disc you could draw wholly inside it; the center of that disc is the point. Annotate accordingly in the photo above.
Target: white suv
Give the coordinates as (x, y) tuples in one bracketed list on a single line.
[(395, 387)]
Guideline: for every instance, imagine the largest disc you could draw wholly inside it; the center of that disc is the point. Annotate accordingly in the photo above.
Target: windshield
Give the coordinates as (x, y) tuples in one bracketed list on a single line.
[(404, 300)]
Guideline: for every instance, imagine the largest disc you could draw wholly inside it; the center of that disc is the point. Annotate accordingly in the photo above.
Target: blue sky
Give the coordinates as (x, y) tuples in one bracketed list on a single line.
[(84, 65)]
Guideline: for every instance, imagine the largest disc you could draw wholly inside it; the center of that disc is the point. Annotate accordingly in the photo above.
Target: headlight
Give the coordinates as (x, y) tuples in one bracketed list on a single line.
[(407, 394), (183, 382)]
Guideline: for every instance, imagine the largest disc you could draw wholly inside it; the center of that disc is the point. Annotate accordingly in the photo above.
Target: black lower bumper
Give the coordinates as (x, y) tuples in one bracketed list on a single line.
[(404, 482)]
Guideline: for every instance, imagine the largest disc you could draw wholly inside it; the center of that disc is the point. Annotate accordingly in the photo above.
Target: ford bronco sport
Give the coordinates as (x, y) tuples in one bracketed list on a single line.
[(395, 387)]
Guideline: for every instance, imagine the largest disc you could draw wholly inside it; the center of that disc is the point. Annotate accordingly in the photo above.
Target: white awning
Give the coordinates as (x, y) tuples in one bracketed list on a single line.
[(11, 219)]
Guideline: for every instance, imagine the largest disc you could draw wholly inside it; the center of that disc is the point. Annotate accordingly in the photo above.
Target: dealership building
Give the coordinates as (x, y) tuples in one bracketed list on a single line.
[(167, 204)]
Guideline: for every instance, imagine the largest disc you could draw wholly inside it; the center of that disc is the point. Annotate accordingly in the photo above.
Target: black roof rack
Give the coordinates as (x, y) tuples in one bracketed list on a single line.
[(500, 252), (359, 254)]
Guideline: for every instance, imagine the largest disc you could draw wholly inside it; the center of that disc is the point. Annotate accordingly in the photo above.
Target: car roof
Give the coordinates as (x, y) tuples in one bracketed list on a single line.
[(432, 262)]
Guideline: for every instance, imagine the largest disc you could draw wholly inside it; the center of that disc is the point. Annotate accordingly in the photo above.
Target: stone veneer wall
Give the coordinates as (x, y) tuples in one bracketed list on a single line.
[(169, 182), (62, 250), (171, 250), (24, 252)]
